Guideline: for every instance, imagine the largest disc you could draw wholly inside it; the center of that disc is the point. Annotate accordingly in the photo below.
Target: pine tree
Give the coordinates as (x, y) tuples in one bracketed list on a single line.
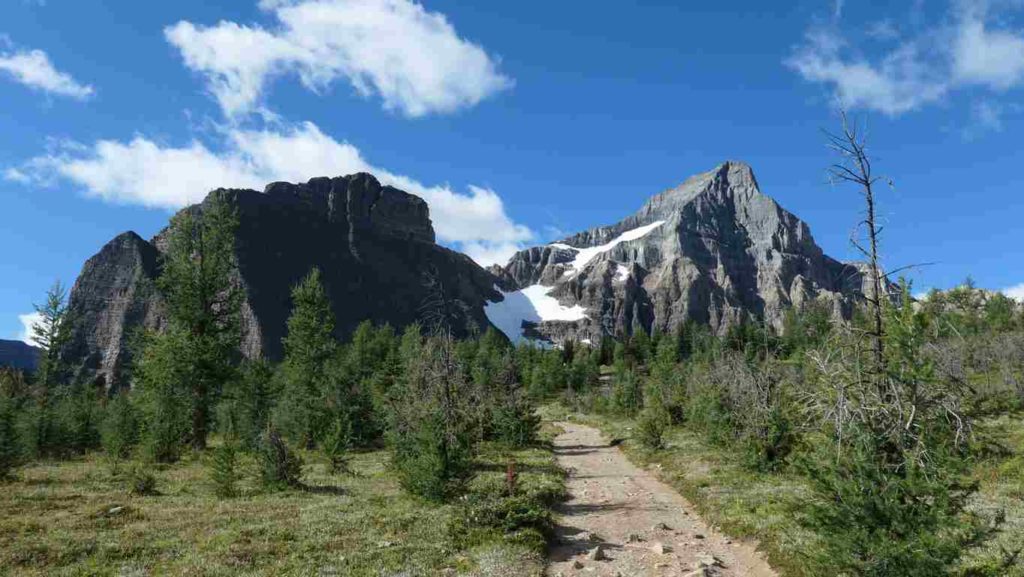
[(223, 467), (204, 305), (163, 372), (10, 443), (120, 429), (309, 349), (50, 333), (248, 401)]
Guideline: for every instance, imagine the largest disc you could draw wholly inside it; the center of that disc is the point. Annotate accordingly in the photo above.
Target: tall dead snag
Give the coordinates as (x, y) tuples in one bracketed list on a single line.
[(854, 167)]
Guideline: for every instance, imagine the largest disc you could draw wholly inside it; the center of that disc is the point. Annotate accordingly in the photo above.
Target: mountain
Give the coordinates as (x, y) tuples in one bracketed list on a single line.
[(715, 250), (374, 245), (18, 355)]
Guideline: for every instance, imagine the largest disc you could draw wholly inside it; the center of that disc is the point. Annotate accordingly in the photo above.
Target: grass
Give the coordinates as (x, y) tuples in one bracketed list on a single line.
[(768, 506), (76, 518)]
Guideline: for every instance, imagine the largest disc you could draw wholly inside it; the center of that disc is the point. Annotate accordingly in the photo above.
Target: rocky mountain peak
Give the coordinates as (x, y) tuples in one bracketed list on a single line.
[(714, 250)]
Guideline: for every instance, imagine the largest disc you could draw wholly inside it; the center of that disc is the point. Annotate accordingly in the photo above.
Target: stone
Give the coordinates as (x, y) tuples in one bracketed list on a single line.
[(661, 527), (577, 564), (661, 548), (705, 559), (597, 554), (634, 538), (374, 244)]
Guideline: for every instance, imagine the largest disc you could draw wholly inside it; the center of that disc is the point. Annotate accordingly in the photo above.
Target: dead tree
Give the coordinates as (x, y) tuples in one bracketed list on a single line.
[(854, 167)]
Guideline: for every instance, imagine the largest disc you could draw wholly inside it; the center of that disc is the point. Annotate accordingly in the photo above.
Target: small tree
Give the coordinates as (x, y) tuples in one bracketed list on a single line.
[(50, 333), (280, 467), (119, 431), (163, 395), (10, 443), (247, 403), (223, 467), (309, 348), (431, 421)]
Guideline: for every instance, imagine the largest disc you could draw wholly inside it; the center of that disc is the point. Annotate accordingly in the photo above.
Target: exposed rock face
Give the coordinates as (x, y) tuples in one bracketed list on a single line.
[(18, 355), (373, 244), (714, 250)]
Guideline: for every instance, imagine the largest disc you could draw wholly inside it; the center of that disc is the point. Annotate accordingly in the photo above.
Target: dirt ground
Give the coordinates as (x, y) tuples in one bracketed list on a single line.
[(621, 521)]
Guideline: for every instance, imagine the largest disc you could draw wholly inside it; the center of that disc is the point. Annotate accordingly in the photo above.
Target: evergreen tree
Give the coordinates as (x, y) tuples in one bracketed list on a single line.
[(431, 419), (223, 470), (247, 402), (50, 333), (10, 443), (204, 305), (309, 348), (45, 435), (164, 398), (120, 429)]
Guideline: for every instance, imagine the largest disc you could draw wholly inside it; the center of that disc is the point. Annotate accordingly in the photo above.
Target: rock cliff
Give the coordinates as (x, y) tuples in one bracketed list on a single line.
[(374, 245)]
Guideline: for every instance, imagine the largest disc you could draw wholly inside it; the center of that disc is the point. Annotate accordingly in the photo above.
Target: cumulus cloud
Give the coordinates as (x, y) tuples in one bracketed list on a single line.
[(967, 49), (34, 69), (144, 172), (28, 321), (413, 59), (1015, 292)]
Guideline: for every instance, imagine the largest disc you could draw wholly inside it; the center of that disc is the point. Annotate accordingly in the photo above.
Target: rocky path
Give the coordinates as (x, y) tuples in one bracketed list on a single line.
[(621, 521)]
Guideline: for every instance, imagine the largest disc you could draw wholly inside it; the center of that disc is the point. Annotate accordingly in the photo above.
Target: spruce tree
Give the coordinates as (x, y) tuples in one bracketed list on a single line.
[(50, 333), (119, 431), (309, 348), (204, 306), (10, 443)]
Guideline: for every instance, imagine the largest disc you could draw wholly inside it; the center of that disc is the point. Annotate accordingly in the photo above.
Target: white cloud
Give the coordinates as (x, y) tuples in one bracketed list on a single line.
[(28, 321), (147, 173), (993, 58), (897, 83), (413, 59), (1015, 292), (964, 50), (34, 69)]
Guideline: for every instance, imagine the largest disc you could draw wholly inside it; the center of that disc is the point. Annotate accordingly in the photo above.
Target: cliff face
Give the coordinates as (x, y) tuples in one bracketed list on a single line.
[(714, 250), (373, 244)]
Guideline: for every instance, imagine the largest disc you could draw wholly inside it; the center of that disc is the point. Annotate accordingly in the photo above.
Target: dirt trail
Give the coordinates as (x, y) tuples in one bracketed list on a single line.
[(641, 525)]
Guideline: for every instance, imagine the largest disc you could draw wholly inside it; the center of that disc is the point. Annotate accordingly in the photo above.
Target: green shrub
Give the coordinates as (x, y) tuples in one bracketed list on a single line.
[(516, 424), (336, 444), (223, 470), (651, 427), (280, 467), (430, 462), (141, 482)]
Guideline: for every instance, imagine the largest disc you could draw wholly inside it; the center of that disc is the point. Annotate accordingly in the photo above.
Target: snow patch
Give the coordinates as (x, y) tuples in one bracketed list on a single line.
[(621, 272), (585, 255), (531, 304)]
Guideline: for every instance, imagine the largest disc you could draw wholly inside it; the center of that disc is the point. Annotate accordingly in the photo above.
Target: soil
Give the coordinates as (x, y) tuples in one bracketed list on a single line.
[(622, 521)]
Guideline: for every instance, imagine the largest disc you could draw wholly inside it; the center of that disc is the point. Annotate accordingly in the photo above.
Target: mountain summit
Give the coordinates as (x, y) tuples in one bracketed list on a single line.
[(715, 250)]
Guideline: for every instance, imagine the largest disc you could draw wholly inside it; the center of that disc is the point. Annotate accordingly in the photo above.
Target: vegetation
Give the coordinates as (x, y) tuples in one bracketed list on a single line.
[(445, 417)]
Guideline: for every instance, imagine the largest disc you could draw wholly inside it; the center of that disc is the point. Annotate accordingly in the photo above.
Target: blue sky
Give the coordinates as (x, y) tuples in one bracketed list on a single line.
[(518, 121)]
